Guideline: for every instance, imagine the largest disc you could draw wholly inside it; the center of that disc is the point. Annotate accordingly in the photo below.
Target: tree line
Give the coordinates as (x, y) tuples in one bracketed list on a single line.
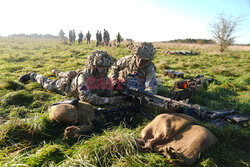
[(193, 41), (34, 35)]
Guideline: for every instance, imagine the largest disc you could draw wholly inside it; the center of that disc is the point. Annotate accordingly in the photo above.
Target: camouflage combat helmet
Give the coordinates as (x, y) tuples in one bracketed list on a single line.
[(99, 59), (145, 51)]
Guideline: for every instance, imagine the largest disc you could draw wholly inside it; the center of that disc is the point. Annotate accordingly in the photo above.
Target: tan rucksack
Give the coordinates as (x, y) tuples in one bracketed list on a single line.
[(81, 113), (177, 137)]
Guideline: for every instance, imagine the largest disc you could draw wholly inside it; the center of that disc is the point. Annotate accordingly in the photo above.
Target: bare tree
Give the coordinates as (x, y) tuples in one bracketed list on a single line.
[(223, 30)]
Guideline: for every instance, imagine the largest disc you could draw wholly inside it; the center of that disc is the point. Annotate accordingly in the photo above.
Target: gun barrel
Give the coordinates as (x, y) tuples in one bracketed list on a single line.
[(176, 102)]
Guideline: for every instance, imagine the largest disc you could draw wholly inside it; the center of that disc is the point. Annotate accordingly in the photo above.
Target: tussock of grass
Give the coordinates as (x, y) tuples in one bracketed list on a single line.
[(117, 147), (108, 147), (36, 128), (12, 85), (21, 98)]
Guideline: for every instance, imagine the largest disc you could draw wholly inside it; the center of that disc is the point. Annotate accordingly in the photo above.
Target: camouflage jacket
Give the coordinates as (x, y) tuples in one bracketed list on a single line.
[(146, 79), (88, 87)]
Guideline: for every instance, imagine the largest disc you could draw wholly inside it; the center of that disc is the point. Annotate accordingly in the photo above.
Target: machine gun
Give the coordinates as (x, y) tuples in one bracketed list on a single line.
[(165, 103)]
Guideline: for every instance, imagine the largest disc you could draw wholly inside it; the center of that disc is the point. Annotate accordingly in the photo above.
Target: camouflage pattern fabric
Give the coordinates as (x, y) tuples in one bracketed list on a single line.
[(145, 51), (81, 88), (61, 85), (78, 86), (145, 75), (99, 59)]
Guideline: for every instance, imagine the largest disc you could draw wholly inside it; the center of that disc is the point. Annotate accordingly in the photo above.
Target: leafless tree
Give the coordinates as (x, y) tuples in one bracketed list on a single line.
[(223, 30)]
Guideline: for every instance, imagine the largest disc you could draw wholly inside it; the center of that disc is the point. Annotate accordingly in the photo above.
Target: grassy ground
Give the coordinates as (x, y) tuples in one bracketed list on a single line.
[(28, 138)]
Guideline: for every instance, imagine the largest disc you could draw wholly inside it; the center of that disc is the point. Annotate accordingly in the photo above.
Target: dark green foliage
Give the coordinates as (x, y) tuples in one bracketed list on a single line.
[(197, 41)]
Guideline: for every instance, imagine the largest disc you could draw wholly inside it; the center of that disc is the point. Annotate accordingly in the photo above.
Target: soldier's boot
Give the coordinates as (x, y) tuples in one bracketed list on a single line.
[(29, 76), (55, 72)]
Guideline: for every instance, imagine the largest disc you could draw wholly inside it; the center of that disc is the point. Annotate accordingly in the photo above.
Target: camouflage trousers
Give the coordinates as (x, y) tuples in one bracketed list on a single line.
[(61, 85)]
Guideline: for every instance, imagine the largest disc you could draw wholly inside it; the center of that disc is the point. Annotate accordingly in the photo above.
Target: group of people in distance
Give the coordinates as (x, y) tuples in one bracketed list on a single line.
[(101, 39)]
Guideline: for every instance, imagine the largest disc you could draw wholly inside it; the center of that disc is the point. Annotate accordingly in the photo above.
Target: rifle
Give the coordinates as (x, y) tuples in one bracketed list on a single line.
[(164, 103)]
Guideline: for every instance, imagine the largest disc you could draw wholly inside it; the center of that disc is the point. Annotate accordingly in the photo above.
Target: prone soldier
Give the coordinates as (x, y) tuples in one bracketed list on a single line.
[(91, 85)]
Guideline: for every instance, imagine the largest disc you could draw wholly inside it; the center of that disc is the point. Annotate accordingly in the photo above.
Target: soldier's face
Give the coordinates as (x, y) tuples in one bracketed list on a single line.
[(102, 71)]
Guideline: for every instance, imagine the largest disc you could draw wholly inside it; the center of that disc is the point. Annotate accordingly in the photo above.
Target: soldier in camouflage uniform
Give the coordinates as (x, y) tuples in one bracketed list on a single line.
[(97, 38), (73, 36), (70, 36), (91, 85), (106, 37), (100, 37), (138, 63), (88, 36), (80, 37)]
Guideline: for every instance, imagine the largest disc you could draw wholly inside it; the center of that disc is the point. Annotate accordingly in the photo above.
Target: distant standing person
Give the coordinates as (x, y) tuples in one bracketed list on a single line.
[(80, 37), (62, 38), (70, 36), (73, 36), (97, 38), (106, 37), (88, 36), (118, 38), (100, 37)]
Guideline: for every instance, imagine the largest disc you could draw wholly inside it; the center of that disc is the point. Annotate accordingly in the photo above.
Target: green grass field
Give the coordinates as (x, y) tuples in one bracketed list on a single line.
[(28, 138)]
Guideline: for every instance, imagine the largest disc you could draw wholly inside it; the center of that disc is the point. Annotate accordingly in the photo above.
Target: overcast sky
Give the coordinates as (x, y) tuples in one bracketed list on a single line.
[(140, 20)]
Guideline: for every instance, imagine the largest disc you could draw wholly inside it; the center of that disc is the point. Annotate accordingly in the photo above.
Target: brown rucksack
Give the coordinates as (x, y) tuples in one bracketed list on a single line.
[(81, 113), (177, 137)]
